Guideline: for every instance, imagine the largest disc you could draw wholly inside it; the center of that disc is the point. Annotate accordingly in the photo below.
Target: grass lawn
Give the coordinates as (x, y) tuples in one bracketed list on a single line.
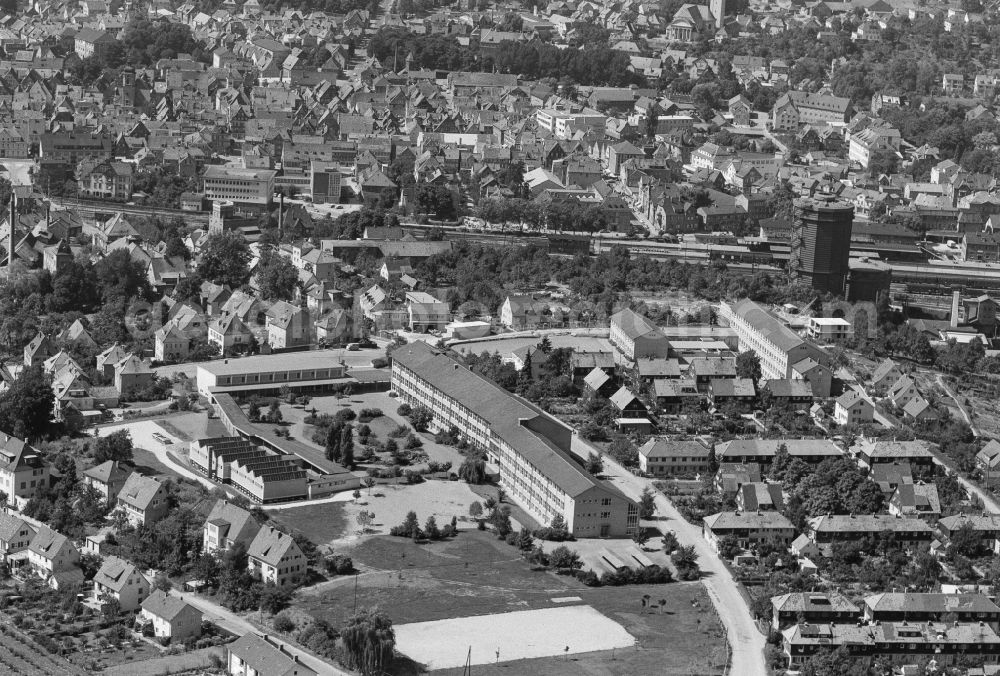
[(147, 463), (476, 574), (320, 523)]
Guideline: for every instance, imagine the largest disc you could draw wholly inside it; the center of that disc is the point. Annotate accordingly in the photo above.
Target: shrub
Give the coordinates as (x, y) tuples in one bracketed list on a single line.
[(369, 414), (339, 564), (380, 362), (282, 623), (404, 410), (589, 578), (399, 431), (413, 442), (345, 415)]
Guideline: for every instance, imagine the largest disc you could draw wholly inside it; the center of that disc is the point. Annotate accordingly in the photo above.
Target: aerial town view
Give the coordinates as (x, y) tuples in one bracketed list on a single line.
[(500, 337)]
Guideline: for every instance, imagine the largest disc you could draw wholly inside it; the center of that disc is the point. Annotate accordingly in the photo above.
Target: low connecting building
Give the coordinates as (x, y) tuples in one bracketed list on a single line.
[(530, 447)]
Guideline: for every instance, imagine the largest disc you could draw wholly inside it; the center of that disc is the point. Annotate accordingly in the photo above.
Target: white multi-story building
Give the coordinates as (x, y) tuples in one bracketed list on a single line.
[(530, 447), (242, 186), (829, 329), (778, 347)]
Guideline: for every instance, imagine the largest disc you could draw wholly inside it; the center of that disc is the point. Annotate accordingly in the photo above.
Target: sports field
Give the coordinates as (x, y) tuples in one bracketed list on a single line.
[(527, 634)]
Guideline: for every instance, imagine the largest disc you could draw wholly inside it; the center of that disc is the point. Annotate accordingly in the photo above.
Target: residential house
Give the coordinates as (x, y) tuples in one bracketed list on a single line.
[(988, 462), (108, 479), (15, 536), (661, 457), (171, 617), (274, 557), (121, 582), (143, 500), (226, 526), (853, 408), (749, 528), (871, 452), (731, 476), (252, 655), (916, 499), (759, 497), (812, 607), (22, 470), (229, 334), (920, 608), (54, 558), (906, 532)]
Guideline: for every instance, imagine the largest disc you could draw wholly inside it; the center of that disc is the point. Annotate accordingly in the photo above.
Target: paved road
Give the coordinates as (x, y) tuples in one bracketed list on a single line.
[(745, 641), (232, 622)]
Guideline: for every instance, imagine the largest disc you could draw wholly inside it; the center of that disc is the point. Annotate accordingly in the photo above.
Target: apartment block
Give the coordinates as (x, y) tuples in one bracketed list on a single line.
[(778, 347)]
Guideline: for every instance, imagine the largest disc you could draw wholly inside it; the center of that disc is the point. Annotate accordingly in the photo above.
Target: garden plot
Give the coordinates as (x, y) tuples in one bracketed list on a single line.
[(528, 634)]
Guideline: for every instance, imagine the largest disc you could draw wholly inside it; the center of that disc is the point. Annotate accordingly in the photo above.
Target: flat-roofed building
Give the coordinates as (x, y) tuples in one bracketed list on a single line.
[(240, 186), (301, 371), (325, 182), (530, 447)]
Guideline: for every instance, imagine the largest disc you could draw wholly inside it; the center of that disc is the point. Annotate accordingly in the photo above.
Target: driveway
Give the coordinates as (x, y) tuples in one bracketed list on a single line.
[(235, 624), (745, 641)]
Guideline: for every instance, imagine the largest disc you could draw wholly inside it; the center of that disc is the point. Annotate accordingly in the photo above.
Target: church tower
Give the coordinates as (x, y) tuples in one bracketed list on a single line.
[(126, 87), (718, 10)]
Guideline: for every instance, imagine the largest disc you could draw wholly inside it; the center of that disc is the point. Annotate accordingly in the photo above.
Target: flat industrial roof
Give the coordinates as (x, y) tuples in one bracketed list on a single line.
[(264, 363)]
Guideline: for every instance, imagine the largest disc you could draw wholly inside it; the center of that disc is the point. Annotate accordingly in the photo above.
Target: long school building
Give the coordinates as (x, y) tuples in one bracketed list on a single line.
[(530, 448)]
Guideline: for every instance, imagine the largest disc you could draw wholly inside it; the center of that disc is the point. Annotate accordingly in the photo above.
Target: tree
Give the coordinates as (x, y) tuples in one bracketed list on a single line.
[(274, 412), (500, 520), (409, 528), (748, 365), (594, 464), (435, 200), (225, 259), (641, 537), (333, 442), (685, 559), (116, 446), (545, 345), (473, 470), (276, 276), (347, 447), (26, 406), (564, 558), (476, 509), (729, 547), (274, 599), (369, 640), (669, 541), (420, 417), (431, 529), (118, 276), (365, 520), (624, 452), (647, 504)]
